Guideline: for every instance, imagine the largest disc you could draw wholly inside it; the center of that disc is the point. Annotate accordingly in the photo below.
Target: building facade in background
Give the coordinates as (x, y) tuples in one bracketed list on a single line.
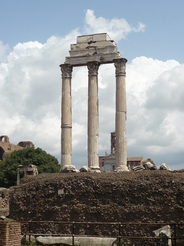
[(108, 162)]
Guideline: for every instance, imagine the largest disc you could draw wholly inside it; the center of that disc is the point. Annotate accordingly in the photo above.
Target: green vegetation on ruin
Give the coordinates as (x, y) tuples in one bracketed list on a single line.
[(45, 163)]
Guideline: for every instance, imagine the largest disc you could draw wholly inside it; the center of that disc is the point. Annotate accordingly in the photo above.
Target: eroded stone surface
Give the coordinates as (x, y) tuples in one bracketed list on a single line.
[(84, 169), (138, 168), (165, 233), (150, 166), (6, 147), (68, 169), (93, 48), (164, 167), (4, 202), (82, 241), (146, 196)]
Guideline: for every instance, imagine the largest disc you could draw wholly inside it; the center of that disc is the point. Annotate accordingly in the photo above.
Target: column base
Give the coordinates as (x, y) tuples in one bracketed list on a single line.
[(121, 169), (68, 169), (94, 170)]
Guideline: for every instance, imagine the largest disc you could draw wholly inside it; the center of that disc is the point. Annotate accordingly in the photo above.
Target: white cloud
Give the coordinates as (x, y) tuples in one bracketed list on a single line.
[(155, 108), (30, 87), (116, 28), (168, 91)]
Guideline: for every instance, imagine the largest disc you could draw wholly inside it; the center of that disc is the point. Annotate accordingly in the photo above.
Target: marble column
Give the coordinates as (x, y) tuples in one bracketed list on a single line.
[(121, 141), (66, 117), (93, 118)]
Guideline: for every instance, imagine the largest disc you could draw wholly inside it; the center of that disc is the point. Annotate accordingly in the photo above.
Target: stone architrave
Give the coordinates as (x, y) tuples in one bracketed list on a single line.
[(121, 141), (66, 117), (93, 118)]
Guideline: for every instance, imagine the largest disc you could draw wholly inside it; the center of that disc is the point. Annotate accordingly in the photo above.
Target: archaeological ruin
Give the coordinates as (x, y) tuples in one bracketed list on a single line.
[(93, 51), (28, 170), (133, 207), (6, 147)]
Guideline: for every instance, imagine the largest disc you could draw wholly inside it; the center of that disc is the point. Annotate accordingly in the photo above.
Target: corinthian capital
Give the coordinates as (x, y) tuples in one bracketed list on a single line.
[(120, 65), (93, 68), (66, 70)]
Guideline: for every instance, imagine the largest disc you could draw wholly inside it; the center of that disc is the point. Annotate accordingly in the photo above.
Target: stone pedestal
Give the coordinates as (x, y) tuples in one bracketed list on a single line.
[(121, 141), (66, 117), (93, 118)]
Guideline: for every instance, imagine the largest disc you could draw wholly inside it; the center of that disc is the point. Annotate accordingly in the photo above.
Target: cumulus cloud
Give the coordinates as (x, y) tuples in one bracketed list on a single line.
[(155, 108), (116, 28), (172, 100), (30, 87)]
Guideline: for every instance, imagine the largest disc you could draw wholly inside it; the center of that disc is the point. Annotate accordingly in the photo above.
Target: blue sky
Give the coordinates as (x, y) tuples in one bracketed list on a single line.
[(23, 20), (35, 37)]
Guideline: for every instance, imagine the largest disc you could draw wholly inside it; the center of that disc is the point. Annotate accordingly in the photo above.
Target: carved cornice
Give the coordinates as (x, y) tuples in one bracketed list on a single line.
[(120, 65), (66, 70), (93, 68)]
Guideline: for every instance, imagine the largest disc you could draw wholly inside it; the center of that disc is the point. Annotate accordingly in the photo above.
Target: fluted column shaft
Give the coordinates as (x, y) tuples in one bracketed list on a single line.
[(93, 118), (66, 116), (121, 141)]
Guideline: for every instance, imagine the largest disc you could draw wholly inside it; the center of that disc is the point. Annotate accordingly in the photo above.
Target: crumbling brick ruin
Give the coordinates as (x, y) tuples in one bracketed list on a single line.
[(10, 232), (6, 147)]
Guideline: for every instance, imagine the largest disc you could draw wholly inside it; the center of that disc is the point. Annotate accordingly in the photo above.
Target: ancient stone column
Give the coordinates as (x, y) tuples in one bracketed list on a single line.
[(93, 119), (66, 117), (18, 176), (121, 141)]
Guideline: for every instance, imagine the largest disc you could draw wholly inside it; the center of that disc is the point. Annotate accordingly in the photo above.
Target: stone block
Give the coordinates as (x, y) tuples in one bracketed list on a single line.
[(164, 233), (164, 167), (101, 58), (93, 37), (68, 169), (84, 169)]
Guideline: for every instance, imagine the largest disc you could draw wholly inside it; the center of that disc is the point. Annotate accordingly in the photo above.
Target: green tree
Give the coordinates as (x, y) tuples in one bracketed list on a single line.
[(45, 163)]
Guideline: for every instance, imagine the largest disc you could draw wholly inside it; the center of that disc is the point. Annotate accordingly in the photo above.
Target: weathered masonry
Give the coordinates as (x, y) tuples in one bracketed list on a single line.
[(6, 147), (93, 51), (10, 232)]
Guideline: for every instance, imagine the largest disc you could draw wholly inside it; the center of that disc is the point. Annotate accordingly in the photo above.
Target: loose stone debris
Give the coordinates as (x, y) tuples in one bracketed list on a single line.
[(165, 233), (164, 167)]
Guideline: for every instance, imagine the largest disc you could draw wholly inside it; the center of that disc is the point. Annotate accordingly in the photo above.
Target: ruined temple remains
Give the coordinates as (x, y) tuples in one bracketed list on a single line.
[(93, 51), (28, 170)]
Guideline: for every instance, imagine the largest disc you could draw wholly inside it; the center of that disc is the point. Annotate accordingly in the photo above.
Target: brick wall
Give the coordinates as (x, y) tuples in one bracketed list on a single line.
[(10, 233)]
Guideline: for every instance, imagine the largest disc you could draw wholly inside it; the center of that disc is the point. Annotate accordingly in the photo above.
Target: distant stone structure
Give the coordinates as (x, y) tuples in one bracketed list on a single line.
[(29, 170), (6, 147), (134, 162), (92, 51), (108, 162)]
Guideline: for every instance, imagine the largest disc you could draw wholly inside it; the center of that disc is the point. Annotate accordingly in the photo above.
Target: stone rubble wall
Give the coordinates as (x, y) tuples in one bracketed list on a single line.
[(4, 201), (140, 197)]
